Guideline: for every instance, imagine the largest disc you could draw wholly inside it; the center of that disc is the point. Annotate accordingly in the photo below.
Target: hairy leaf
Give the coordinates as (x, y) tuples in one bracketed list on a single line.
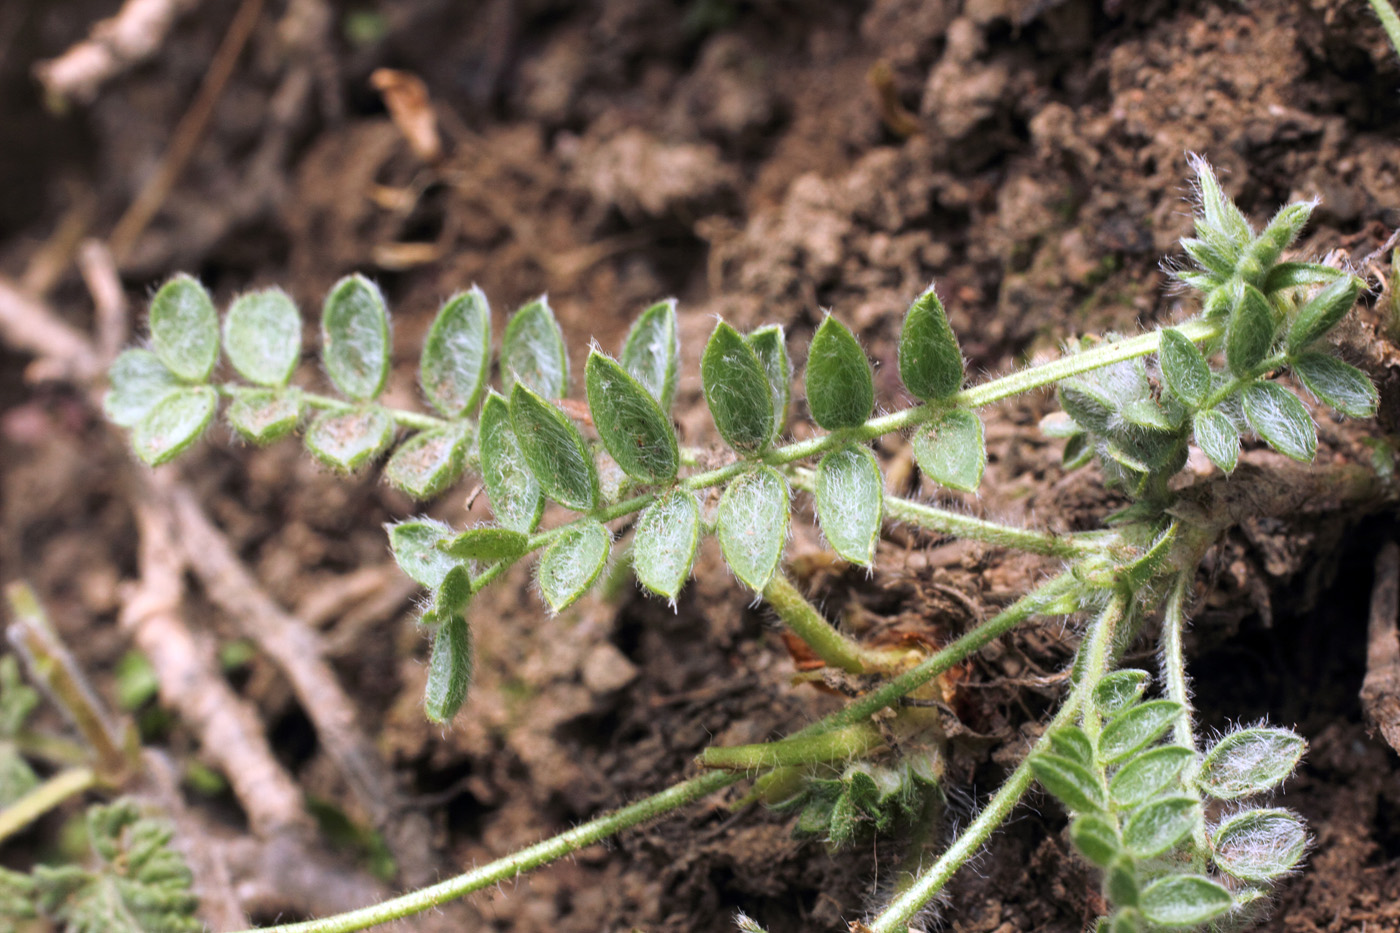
[(1280, 233), (663, 547), (1218, 438), (554, 450), (850, 501), (572, 563), (1250, 331), (17, 701), (486, 543), (652, 351), (1220, 219), (515, 493), (1184, 368), (631, 422), (1135, 727), (752, 525), (1259, 845), (139, 381), (1293, 274), (951, 450), (1121, 882), (1323, 312), (262, 336), (449, 669), (1183, 900), (1279, 418), (429, 462), (1250, 762), (1338, 384), (770, 345), (1119, 690), (347, 440), (840, 383), (930, 362), (185, 329), (1147, 775), (737, 390), (355, 334), (532, 352), (1073, 743), (414, 546), (1159, 825), (1096, 838), (174, 423), (1072, 784), (457, 354), (264, 415), (1090, 407)]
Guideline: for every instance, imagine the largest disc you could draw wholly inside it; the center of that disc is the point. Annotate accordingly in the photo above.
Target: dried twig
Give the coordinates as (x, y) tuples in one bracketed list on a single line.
[(113, 46), (27, 324), (1380, 691), (99, 271)]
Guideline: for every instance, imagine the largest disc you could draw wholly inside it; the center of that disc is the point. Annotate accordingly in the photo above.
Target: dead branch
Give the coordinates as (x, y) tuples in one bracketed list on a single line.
[(112, 46), (29, 325)]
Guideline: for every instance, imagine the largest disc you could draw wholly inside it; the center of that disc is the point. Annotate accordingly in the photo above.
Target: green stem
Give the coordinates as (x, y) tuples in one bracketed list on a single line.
[(518, 863), (1233, 385), (799, 615), (838, 745), (45, 797), (895, 918), (1183, 730), (409, 419), (1389, 22)]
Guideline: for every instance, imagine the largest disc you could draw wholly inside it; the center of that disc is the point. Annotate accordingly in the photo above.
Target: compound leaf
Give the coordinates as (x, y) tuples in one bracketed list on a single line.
[(1184, 368), (262, 336), (1218, 438), (185, 329), (1259, 845), (572, 563), (840, 383), (737, 390), (355, 334), (449, 669), (752, 525), (515, 493), (347, 440), (1338, 384), (930, 362), (770, 345), (532, 352), (457, 353), (1279, 418), (1250, 762), (951, 450), (651, 352), (174, 423), (1183, 900), (1135, 727), (429, 462), (663, 547), (554, 450), (1147, 775), (1157, 826), (139, 380), (1249, 333), (486, 543), (850, 500), (1072, 784), (631, 422)]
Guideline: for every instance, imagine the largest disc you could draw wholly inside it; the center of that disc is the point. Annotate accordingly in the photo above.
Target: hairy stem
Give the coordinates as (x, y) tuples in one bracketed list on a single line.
[(1174, 674), (44, 798), (799, 615), (838, 745)]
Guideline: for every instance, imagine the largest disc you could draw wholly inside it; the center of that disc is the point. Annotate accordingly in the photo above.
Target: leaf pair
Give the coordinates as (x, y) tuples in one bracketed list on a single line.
[(747, 382)]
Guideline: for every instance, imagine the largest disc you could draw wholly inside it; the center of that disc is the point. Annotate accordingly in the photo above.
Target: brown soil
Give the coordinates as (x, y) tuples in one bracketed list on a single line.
[(1029, 156)]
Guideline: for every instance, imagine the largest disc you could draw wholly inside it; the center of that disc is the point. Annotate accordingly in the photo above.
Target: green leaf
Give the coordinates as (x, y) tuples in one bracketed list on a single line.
[(1078, 451), (572, 563), (1121, 883), (17, 896), (486, 543), (1208, 257), (930, 362), (1220, 219), (1338, 384), (770, 345), (1279, 418), (1119, 690), (17, 701), (175, 423), (1184, 368), (1250, 762), (840, 383), (1088, 405), (185, 329), (1323, 312), (1259, 845), (139, 381), (631, 423), (264, 415), (347, 440), (515, 493), (1183, 900), (951, 450), (1218, 438), (1249, 333), (355, 335), (1158, 826), (737, 390), (262, 336), (554, 450), (1147, 775), (428, 462), (663, 547), (1280, 233), (752, 525), (1135, 727), (1146, 413), (449, 670), (457, 353), (532, 352), (850, 502), (1294, 274), (1096, 838), (414, 546), (1072, 784), (1073, 743), (652, 350)]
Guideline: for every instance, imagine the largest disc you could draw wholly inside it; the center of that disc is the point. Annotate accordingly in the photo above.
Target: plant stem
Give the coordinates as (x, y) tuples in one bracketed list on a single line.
[(1236, 383), (1389, 22), (1098, 651), (799, 615), (1183, 730), (525, 860), (838, 745), (45, 797), (409, 419)]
